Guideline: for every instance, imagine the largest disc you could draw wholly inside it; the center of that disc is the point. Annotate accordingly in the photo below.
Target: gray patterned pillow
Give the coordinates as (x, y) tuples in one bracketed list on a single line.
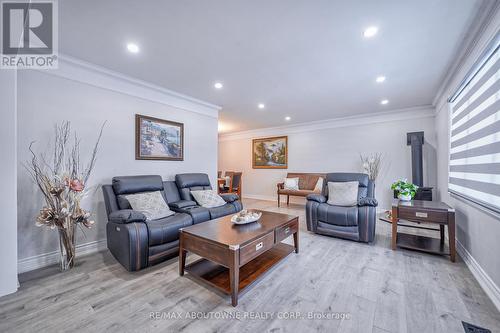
[(343, 194), (208, 198), (151, 204)]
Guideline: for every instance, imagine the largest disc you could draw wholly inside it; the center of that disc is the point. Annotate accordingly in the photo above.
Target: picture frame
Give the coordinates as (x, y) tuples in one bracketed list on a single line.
[(158, 139), (270, 153)]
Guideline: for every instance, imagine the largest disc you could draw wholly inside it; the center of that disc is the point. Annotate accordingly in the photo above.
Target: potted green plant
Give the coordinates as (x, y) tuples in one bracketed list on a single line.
[(405, 190)]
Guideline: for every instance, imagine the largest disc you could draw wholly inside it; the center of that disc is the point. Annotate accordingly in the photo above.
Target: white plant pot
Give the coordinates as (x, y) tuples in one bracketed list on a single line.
[(404, 197)]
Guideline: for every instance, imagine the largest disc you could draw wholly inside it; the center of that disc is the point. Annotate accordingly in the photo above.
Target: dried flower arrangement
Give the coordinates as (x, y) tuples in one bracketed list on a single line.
[(371, 164), (63, 186)]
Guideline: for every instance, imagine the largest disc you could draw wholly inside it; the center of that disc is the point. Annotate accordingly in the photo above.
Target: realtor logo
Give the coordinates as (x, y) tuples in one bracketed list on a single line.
[(29, 34)]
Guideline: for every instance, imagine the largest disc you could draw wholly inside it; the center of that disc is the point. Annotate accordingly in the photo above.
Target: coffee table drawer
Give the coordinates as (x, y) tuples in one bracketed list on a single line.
[(414, 214), (286, 230), (255, 248)]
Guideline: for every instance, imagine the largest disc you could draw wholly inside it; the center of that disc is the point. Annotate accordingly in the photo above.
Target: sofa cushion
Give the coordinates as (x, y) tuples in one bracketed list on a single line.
[(230, 197), (136, 184), (167, 229), (338, 215), (197, 213), (208, 198), (123, 202), (300, 193), (126, 216), (343, 193), (291, 184), (318, 188), (151, 204), (217, 212), (364, 182)]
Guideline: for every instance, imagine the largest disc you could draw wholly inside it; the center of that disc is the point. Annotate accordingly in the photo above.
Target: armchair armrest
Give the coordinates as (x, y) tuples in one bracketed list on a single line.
[(316, 197), (126, 216), (280, 186), (230, 197), (182, 204), (368, 202)]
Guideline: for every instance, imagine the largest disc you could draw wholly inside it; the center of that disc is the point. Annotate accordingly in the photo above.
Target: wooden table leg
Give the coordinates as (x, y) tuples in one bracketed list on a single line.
[(451, 235), (182, 256), (394, 227), (234, 275), (441, 232), (296, 241)]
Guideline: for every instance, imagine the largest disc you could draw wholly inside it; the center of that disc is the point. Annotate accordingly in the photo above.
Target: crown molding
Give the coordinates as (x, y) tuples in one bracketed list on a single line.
[(357, 120), (81, 71), (485, 15)]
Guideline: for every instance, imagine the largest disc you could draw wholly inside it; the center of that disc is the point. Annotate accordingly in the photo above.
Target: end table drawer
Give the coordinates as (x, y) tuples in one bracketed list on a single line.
[(287, 230), (255, 248), (422, 215)]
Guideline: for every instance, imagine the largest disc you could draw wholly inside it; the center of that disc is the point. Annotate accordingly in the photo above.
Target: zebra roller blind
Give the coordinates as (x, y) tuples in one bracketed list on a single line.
[(475, 133)]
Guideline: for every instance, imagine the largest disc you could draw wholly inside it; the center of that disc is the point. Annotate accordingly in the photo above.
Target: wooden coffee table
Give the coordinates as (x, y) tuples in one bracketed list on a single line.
[(235, 256)]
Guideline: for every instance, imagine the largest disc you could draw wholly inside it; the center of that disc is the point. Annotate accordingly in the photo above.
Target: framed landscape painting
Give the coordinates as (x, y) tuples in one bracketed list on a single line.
[(158, 139), (270, 153)]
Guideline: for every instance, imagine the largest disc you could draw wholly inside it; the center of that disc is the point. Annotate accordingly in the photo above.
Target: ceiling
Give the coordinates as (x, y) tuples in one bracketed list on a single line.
[(304, 59)]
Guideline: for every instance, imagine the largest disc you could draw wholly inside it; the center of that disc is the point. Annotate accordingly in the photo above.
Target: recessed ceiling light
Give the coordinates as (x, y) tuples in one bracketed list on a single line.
[(218, 85), (380, 79), (261, 106), (133, 48), (288, 118), (384, 101), (370, 32)]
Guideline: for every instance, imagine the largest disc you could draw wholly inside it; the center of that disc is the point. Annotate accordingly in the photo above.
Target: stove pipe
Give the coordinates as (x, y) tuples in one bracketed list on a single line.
[(416, 141)]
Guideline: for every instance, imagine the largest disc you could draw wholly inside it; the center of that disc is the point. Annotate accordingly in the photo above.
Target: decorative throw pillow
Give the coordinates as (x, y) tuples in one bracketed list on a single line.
[(291, 184), (151, 204), (343, 194), (319, 185), (208, 198)]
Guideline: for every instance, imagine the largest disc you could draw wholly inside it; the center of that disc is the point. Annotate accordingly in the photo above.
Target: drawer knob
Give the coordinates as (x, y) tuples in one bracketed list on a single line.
[(419, 214), (259, 246), (287, 230)]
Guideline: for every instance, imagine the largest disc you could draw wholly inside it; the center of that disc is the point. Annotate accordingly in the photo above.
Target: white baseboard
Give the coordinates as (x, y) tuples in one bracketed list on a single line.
[(47, 259), (489, 287)]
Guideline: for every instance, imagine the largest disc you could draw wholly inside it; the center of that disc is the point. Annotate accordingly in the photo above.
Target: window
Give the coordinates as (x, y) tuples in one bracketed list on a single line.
[(474, 172)]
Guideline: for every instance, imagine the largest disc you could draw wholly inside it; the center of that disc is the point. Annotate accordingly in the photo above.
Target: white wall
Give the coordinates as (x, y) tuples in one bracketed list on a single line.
[(477, 231), (8, 170), (334, 146), (45, 99)]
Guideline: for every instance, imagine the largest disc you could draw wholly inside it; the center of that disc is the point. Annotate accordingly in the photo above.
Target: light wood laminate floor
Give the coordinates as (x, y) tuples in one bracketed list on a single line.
[(380, 290)]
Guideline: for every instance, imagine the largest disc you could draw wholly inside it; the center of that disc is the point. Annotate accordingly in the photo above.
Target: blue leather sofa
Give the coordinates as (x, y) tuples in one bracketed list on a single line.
[(137, 243)]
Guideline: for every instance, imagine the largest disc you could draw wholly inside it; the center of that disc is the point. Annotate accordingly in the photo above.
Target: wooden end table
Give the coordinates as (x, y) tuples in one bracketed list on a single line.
[(422, 211), (235, 256)]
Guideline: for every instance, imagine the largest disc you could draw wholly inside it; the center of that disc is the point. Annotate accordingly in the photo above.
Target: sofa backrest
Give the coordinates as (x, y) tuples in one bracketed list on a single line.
[(366, 186), (187, 182), (171, 191), (307, 181), (114, 194)]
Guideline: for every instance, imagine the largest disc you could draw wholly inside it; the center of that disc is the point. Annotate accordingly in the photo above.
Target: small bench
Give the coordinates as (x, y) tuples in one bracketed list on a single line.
[(307, 182)]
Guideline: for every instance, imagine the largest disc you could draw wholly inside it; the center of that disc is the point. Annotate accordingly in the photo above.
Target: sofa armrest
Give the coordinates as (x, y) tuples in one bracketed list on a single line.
[(316, 197), (182, 204), (126, 216), (280, 186), (230, 197), (372, 202)]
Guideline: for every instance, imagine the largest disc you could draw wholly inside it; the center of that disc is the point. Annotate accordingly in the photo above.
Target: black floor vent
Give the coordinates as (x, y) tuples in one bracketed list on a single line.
[(469, 328)]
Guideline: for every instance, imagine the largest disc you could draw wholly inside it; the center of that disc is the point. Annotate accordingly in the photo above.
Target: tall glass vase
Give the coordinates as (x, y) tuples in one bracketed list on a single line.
[(67, 246)]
